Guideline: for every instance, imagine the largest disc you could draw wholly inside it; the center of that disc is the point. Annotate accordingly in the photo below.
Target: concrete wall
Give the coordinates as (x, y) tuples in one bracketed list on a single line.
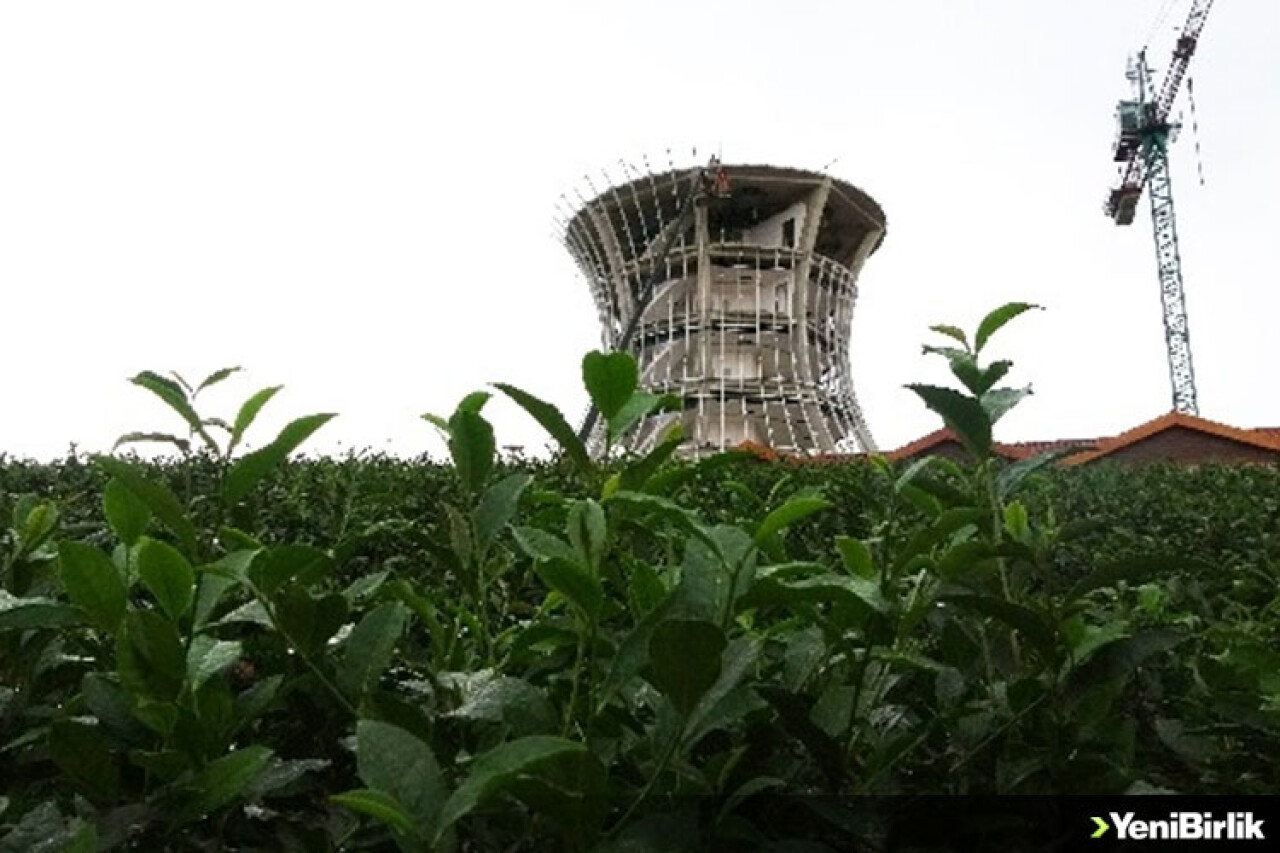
[(769, 231)]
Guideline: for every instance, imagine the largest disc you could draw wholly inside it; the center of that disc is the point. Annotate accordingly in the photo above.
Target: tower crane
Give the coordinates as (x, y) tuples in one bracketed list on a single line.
[(1142, 147)]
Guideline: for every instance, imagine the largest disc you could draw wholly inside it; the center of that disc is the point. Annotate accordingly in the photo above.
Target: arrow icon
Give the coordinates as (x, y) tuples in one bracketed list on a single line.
[(1102, 828)]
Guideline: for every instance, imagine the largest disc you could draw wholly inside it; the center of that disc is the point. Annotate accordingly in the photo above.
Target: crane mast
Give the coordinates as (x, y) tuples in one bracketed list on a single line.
[(1142, 147)]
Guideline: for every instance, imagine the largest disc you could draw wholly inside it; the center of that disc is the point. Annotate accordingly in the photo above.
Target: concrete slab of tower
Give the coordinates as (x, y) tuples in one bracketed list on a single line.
[(734, 286)]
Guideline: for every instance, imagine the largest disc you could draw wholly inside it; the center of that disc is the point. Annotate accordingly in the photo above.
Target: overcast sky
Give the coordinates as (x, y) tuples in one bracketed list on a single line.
[(355, 200)]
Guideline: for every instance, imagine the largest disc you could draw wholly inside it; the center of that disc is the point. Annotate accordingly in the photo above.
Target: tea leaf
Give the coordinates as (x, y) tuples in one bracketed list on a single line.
[(149, 655), (641, 405), (1185, 742), (997, 402), (309, 621), (438, 422), (209, 595), (499, 768), (1119, 658), (638, 473), (964, 368), (1031, 625), (993, 374), (275, 567), (248, 414), (369, 648), (36, 523), (21, 614), (996, 319), (795, 713), (157, 496), (1131, 568), (93, 584), (633, 651), (862, 594), (111, 705), (44, 830), (610, 379), (1008, 480), (176, 398), (496, 508), (251, 468), (393, 761), (83, 753), (913, 472), (856, 556), (280, 775), (1016, 521), (472, 447), (965, 416), (670, 511), (574, 581), (684, 660), (255, 701), (379, 805), (220, 782), (251, 612), (473, 402), (183, 445), (571, 794), (168, 575), (127, 514), (84, 838), (717, 706), (511, 701), (951, 354), (587, 530), (215, 377), (541, 545), (207, 657), (951, 332), (365, 586), (554, 423), (796, 508)]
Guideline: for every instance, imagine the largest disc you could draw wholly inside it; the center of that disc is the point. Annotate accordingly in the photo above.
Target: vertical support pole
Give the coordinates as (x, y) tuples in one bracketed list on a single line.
[(860, 255), (814, 206), (702, 382), (623, 297)]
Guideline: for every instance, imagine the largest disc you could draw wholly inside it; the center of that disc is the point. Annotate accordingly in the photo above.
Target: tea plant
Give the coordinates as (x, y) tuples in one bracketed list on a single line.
[(599, 653)]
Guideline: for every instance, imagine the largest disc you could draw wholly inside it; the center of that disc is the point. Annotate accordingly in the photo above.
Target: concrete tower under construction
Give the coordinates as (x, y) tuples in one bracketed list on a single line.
[(734, 287)]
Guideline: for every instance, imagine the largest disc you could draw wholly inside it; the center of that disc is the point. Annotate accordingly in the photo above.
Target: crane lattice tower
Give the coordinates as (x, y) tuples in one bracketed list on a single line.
[(734, 287)]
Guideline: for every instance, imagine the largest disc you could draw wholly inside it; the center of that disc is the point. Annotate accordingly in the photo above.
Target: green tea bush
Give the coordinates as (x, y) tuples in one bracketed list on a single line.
[(232, 651)]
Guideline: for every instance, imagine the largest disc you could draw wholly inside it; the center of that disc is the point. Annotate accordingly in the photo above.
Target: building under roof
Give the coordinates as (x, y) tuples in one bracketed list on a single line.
[(1174, 437)]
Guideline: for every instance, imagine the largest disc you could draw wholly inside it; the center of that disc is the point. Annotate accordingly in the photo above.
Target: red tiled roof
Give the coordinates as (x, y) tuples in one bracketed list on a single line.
[(1028, 449), (1009, 450), (1265, 438), (927, 442), (1259, 438)]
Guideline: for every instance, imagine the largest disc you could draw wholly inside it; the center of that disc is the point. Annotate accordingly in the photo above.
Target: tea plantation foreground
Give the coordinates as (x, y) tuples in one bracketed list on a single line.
[(239, 652)]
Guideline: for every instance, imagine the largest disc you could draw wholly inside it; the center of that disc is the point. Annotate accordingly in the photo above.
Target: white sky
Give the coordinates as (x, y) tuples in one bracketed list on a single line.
[(355, 199)]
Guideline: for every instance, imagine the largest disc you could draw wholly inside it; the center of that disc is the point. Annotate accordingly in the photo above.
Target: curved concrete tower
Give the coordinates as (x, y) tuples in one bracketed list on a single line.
[(734, 287)]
